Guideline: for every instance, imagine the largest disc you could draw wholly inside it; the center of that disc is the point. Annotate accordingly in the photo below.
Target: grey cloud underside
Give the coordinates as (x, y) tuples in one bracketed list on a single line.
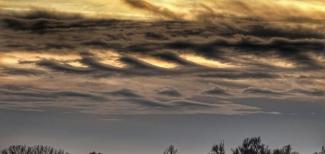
[(215, 100), (114, 102), (266, 91), (43, 94)]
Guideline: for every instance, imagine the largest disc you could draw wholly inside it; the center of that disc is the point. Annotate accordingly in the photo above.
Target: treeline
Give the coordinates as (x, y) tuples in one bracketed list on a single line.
[(249, 146)]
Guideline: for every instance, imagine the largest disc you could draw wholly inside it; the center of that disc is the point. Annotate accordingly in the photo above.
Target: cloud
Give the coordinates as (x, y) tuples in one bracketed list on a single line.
[(21, 71), (151, 104), (120, 102), (46, 31), (271, 11), (263, 91), (308, 92), (156, 36), (288, 92), (240, 75), (134, 62), (171, 92), (118, 65), (157, 10), (14, 94), (190, 104), (124, 93), (216, 91), (95, 64), (57, 66), (173, 57), (283, 46)]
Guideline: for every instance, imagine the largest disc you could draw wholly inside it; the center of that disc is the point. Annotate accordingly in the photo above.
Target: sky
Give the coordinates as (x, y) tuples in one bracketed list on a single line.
[(118, 73)]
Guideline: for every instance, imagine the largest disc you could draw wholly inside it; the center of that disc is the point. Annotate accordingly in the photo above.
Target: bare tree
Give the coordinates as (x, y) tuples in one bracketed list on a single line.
[(170, 150), (252, 146), (218, 148)]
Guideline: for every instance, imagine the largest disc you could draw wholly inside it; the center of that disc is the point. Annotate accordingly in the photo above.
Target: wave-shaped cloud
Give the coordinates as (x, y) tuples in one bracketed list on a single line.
[(115, 66)]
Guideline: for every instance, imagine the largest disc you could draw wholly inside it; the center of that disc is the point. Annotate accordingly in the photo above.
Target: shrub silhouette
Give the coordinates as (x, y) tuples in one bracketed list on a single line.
[(252, 146), (170, 150), (218, 149), (37, 149), (95, 153)]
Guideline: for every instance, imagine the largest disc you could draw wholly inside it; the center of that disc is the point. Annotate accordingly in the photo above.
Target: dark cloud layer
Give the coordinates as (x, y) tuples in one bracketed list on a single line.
[(54, 32), (143, 36)]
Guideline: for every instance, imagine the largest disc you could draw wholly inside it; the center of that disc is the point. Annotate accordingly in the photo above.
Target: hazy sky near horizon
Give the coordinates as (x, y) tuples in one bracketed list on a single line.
[(165, 58), (147, 134)]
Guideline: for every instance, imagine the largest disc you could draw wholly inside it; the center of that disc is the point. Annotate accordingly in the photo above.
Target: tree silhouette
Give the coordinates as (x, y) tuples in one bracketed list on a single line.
[(252, 146), (95, 152), (170, 150), (218, 148)]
